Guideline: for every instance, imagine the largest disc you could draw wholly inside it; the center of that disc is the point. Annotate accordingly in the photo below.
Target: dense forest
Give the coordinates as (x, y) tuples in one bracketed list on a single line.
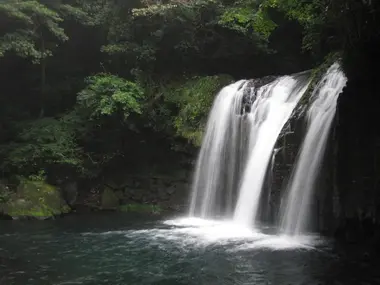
[(88, 86)]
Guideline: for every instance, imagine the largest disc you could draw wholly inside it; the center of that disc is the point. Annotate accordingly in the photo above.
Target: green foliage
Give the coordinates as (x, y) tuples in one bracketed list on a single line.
[(78, 14), (37, 21), (331, 25), (5, 194), (141, 208), (317, 74), (310, 14), (156, 58), (246, 18), (193, 100), (321, 69), (155, 37), (154, 10), (41, 143), (40, 176), (107, 94), (37, 27), (35, 199)]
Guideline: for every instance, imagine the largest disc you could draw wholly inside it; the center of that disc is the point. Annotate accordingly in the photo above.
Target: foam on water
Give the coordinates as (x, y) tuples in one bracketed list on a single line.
[(196, 232), (212, 230), (224, 231)]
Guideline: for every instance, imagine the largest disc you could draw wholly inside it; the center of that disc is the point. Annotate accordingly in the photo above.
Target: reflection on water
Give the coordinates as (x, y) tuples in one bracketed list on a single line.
[(112, 249)]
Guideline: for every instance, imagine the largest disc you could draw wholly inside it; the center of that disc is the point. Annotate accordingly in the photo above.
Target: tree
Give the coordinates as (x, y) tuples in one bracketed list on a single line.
[(109, 95), (177, 37), (33, 30), (39, 145), (330, 25)]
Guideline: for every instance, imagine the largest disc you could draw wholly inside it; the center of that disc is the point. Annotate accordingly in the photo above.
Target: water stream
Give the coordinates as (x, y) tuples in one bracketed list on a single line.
[(217, 162), (271, 110), (307, 166)]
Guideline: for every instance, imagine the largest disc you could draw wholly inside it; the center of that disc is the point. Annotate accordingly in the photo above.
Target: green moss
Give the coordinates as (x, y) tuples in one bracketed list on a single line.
[(194, 99), (317, 74), (35, 199), (66, 209), (141, 208), (109, 199)]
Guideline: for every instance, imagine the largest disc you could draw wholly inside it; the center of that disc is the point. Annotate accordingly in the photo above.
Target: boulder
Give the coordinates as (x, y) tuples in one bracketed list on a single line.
[(35, 200), (171, 190)]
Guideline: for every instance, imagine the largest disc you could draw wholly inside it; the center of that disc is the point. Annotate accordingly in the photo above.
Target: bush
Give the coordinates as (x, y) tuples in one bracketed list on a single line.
[(141, 208), (194, 99)]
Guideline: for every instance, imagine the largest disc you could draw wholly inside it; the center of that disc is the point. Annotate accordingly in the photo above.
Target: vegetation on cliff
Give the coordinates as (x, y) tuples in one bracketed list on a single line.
[(87, 84)]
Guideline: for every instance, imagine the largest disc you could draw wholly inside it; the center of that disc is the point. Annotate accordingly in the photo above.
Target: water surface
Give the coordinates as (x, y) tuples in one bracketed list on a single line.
[(121, 249)]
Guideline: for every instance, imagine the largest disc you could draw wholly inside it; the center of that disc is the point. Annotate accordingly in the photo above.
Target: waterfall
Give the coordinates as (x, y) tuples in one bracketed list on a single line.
[(242, 129), (270, 177), (217, 161), (245, 122), (303, 179), (270, 111)]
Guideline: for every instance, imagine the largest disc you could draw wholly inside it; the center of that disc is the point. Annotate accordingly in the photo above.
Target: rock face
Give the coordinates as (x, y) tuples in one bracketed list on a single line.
[(358, 162), (70, 192), (280, 168), (34, 200), (249, 98), (346, 202), (109, 199), (167, 192)]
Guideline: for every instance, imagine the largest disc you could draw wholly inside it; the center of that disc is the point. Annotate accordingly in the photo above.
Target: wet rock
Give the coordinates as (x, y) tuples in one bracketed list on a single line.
[(5, 216), (171, 190), (162, 195), (70, 192), (35, 200), (109, 199), (250, 91)]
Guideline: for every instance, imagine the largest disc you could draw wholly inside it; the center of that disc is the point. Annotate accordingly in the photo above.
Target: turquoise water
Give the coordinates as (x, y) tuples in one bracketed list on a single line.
[(121, 249)]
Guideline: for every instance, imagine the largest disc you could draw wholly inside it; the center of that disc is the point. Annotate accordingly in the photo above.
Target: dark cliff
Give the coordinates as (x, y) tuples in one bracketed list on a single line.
[(346, 200)]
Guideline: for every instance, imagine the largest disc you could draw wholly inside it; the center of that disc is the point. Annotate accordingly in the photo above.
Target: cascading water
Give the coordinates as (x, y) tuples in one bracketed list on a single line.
[(302, 182), (244, 125), (217, 161), (266, 207), (240, 142), (270, 111)]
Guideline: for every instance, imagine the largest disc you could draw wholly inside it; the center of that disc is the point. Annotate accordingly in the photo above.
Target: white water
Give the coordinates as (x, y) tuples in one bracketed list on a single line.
[(201, 232), (272, 109), (302, 182), (238, 147), (217, 156)]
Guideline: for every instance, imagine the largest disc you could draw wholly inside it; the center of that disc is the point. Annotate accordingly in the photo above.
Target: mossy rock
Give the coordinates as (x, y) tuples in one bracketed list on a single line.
[(109, 199), (317, 74), (35, 199), (141, 208)]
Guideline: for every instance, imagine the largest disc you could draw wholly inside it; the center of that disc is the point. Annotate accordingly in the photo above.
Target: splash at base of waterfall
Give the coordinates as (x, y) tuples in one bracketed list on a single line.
[(203, 231)]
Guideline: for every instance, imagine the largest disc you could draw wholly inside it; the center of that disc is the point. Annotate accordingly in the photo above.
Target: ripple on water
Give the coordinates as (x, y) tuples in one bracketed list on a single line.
[(199, 232), (177, 251), (185, 232)]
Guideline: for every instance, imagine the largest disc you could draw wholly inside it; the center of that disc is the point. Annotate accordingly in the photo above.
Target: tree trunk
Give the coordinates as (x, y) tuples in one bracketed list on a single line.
[(43, 78)]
